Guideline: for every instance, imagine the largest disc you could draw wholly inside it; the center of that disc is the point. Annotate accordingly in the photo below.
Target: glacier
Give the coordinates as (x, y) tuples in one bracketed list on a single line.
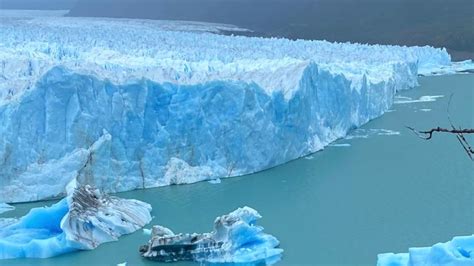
[(457, 252), (235, 239), (125, 104), (83, 220)]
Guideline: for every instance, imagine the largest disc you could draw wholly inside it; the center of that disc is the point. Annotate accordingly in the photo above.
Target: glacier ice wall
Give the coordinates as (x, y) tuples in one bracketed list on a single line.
[(458, 251), (126, 104), (83, 220)]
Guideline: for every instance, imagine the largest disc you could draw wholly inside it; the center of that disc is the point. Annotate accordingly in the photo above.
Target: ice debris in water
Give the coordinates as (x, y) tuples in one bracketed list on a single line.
[(83, 220), (340, 145), (235, 239), (361, 133), (215, 181), (422, 99), (5, 207), (457, 252)]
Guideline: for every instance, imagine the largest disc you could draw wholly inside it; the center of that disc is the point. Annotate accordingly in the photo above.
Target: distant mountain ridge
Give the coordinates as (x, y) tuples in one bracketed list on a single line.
[(37, 4)]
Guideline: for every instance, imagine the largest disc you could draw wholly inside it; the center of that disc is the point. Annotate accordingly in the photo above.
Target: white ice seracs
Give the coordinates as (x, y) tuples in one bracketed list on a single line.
[(126, 104)]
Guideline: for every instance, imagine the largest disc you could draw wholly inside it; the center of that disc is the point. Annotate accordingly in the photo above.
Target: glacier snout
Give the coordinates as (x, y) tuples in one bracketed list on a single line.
[(75, 105), (148, 134)]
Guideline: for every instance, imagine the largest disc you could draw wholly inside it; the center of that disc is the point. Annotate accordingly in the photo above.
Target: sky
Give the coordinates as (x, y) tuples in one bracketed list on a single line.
[(439, 23)]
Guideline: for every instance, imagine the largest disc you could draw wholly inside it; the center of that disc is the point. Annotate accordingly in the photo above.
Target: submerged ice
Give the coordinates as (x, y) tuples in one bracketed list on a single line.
[(83, 220), (235, 239), (126, 104), (457, 252)]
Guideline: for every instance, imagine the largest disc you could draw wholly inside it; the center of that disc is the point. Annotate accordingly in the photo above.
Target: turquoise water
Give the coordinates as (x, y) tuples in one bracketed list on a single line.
[(344, 205)]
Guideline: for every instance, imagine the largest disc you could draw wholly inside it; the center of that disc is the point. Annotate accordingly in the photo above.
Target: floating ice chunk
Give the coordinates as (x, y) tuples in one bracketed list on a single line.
[(83, 220), (215, 181), (340, 145), (466, 66), (458, 251), (422, 99), (147, 231), (425, 110), (385, 132), (361, 133), (5, 207), (122, 264), (235, 239), (391, 259)]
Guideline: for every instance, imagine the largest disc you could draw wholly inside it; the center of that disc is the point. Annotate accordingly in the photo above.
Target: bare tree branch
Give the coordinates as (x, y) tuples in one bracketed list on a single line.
[(428, 134), (459, 132)]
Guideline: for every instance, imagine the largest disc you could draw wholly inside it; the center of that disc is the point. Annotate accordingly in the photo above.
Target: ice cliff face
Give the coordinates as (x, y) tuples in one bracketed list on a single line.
[(123, 104), (83, 220)]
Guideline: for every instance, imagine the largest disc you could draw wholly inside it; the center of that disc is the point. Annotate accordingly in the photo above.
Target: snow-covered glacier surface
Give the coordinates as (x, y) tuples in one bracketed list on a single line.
[(457, 252), (83, 220), (126, 104)]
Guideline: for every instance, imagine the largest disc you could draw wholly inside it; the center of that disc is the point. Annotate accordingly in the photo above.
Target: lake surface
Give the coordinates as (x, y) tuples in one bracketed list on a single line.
[(386, 192)]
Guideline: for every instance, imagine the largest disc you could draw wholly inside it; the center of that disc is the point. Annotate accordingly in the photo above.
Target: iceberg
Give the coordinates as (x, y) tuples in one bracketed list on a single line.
[(235, 239), (83, 220), (125, 104), (457, 252), (5, 208)]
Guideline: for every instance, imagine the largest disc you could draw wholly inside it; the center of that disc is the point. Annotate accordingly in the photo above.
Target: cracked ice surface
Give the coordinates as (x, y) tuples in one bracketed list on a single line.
[(125, 104), (458, 251), (83, 220)]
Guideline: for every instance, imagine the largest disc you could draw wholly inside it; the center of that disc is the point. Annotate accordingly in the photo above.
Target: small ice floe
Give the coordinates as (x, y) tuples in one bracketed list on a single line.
[(461, 67), (235, 239), (340, 145), (422, 99), (5, 207), (425, 110), (215, 181), (309, 157), (83, 220), (122, 264), (147, 231), (385, 132), (366, 133), (458, 251)]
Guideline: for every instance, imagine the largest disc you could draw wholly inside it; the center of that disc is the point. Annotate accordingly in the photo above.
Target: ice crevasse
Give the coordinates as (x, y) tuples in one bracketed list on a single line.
[(126, 104)]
